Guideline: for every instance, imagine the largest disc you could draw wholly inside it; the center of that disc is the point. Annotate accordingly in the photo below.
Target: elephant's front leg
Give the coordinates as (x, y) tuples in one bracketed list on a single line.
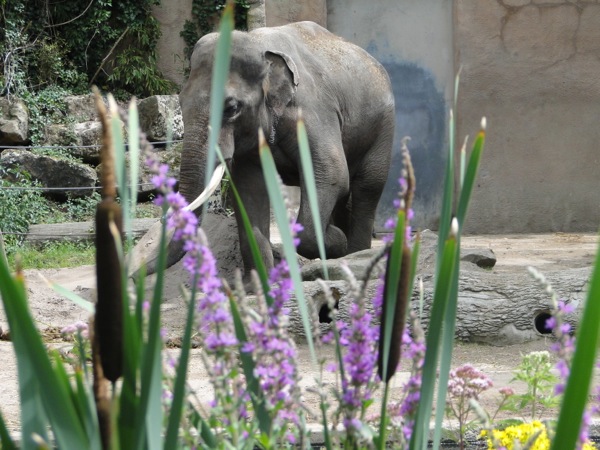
[(249, 181), (332, 184)]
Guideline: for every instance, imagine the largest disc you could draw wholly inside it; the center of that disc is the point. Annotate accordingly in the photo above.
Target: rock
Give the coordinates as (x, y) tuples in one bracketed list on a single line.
[(82, 108), (358, 263), (484, 258), (52, 172), (58, 135), (171, 157), (157, 114), (14, 122)]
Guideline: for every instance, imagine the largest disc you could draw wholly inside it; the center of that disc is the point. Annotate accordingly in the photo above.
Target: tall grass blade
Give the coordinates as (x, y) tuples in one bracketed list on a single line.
[(178, 403), (281, 217), (471, 175), (36, 369), (438, 309), (133, 137), (311, 191), (219, 79), (72, 296), (248, 366), (259, 264), (449, 322), (120, 166), (6, 442), (582, 367), (448, 196), (149, 421)]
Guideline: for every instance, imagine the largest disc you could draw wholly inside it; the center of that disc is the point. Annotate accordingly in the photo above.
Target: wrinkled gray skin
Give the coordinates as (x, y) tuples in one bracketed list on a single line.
[(348, 107)]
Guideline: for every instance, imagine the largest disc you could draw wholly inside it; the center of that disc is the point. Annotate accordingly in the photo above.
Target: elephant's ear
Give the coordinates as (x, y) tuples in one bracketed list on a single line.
[(281, 81)]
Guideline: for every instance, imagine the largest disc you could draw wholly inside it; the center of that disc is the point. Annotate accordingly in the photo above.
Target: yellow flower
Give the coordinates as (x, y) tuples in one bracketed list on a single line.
[(522, 433)]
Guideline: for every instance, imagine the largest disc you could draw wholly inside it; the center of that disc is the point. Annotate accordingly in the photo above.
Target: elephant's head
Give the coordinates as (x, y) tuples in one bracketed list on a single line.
[(261, 85)]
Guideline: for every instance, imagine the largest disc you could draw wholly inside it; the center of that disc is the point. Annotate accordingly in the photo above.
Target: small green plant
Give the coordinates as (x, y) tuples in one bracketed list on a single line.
[(535, 371), (53, 255), (206, 14), (46, 106), (81, 209), (72, 45), (20, 207), (466, 383)]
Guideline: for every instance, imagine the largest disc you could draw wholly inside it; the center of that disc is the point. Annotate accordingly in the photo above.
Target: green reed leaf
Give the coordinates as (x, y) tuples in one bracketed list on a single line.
[(219, 79), (281, 217), (440, 301), (311, 191), (582, 367)]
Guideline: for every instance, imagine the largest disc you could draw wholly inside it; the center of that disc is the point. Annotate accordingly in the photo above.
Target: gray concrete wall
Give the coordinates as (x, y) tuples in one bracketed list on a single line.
[(413, 40), (281, 12), (533, 68), (172, 15)]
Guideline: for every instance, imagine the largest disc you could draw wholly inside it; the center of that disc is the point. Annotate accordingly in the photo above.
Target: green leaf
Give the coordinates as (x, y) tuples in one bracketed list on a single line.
[(120, 166), (582, 367), (311, 191), (470, 176), (69, 295), (248, 366), (5, 439), (449, 320), (179, 387), (134, 158), (150, 417), (219, 79), (281, 217), (41, 383), (259, 264), (440, 301)]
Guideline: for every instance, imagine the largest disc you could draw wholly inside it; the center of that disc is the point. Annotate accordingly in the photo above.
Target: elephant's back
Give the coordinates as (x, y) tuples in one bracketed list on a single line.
[(330, 62)]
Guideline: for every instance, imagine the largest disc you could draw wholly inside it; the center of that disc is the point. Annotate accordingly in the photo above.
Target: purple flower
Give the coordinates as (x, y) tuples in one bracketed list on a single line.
[(359, 339), (273, 350), (467, 382), (217, 330), (404, 411), (563, 348)]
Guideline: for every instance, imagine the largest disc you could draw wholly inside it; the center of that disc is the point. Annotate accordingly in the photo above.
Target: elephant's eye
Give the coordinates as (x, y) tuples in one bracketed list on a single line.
[(232, 108)]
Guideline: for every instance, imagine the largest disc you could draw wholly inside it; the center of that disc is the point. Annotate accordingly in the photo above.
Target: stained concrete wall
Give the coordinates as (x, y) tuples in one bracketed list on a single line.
[(413, 40), (533, 68), (281, 12), (172, 15)]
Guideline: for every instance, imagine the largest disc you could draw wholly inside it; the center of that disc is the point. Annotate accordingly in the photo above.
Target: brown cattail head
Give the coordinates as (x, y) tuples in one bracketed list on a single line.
[(403, 294), (399, 312), (109, 228)]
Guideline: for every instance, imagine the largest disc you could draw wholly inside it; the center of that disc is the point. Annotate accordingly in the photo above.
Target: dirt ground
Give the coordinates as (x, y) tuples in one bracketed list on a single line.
[(514, 253)]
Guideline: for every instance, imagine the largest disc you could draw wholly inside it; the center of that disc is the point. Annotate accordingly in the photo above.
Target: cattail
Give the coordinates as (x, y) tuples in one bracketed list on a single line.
[(399, 313), (404, 281), (109, 228)]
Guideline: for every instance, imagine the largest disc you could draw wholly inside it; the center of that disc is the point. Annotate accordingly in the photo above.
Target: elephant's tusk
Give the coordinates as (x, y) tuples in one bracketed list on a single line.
[(215, 180)]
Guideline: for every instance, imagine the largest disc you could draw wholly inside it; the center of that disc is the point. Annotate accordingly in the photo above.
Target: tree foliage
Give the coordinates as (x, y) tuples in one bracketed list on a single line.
[(76, 43)]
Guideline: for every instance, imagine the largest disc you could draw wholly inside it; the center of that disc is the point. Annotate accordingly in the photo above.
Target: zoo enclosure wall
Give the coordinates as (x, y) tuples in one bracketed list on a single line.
[(530, 66)]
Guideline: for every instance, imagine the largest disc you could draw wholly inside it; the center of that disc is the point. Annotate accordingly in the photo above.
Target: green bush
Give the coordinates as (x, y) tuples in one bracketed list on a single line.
[(20, 208), (73, 44)]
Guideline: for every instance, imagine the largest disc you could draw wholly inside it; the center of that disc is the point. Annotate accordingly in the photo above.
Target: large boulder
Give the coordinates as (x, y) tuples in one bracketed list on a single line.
[(57, 174), (159, 115), (170, 156), (14, 121), (82, 108)]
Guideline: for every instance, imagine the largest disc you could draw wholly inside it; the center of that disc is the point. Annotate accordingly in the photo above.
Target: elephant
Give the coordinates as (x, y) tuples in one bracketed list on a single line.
[(346, 101)]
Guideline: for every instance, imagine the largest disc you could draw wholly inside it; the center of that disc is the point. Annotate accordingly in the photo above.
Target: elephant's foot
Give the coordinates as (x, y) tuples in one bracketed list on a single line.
[(336, 244)]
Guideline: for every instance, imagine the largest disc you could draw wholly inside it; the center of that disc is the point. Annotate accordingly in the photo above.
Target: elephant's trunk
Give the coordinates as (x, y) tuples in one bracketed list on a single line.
[(191, 186)]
